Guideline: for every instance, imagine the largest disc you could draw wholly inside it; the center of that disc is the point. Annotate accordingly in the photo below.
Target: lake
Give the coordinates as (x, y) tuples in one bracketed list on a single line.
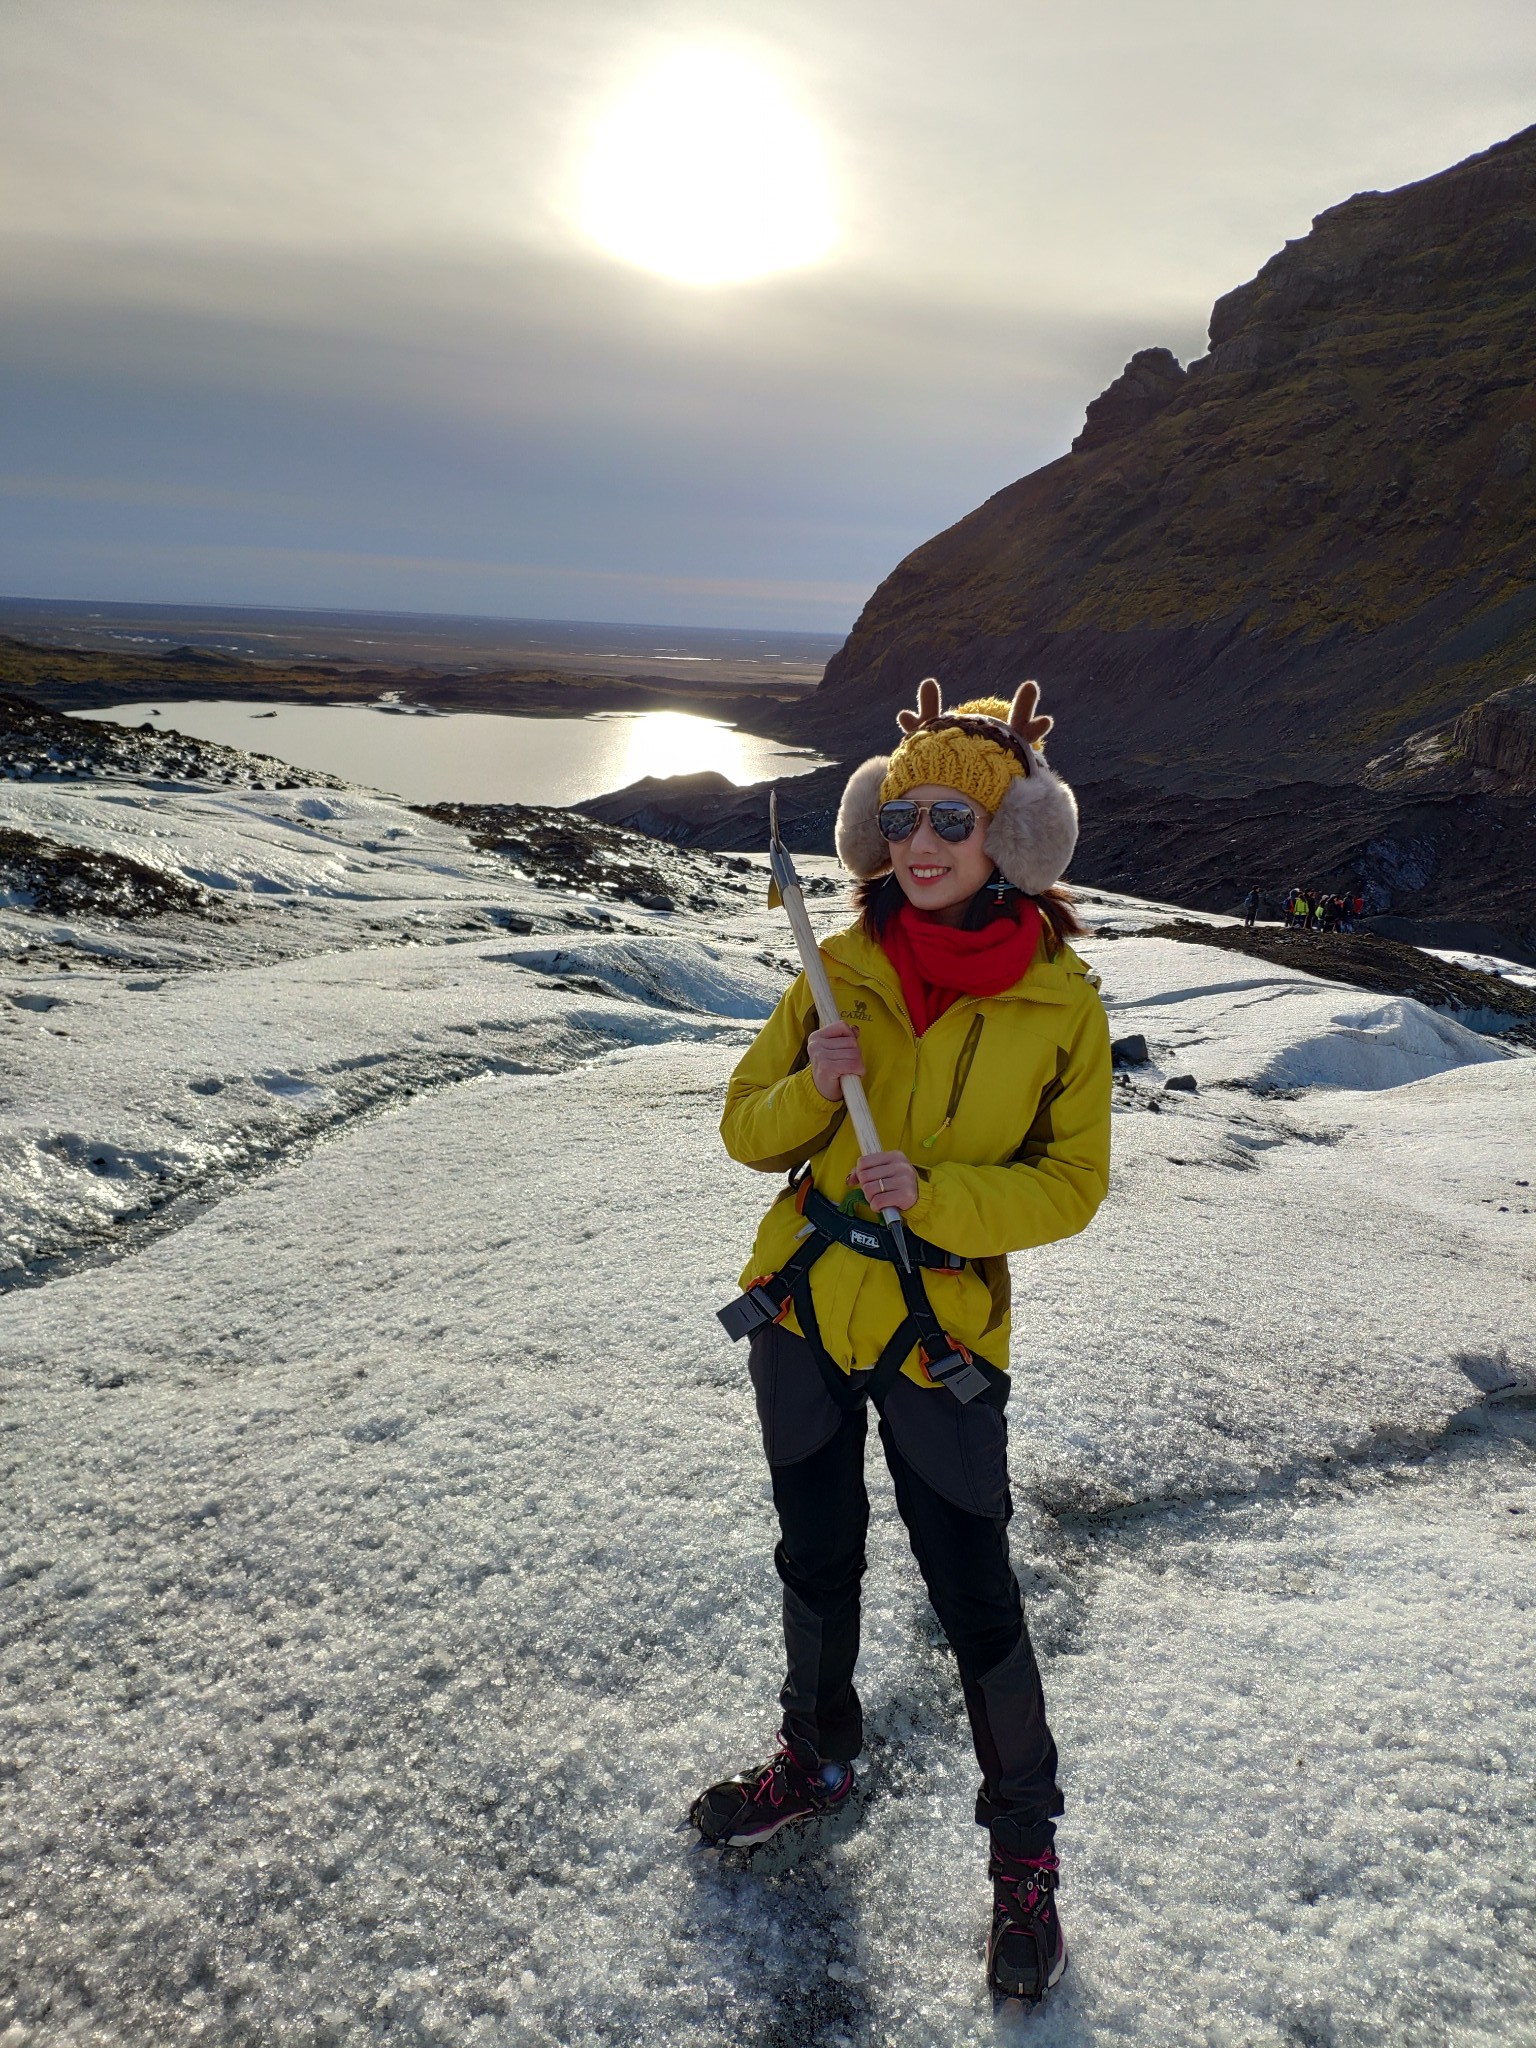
[(478, 757)]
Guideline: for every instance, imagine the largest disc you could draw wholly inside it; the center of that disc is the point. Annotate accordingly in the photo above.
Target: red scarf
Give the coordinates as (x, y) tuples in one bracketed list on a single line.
[(938, 962)]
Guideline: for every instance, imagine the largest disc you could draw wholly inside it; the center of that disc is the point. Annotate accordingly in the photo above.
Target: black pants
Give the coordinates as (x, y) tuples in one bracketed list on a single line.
[(956, 1510)]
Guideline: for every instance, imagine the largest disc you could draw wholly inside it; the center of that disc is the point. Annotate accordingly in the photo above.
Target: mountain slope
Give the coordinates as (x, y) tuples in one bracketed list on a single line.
[(1278, 563)]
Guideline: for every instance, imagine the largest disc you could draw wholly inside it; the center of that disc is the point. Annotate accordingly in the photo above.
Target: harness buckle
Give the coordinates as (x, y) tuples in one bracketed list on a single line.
[(752, 1310), (954, 1369)]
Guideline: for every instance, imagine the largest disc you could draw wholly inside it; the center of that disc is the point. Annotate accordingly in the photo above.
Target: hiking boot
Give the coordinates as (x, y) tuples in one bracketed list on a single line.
[(1026, 1953), (743, 1811)]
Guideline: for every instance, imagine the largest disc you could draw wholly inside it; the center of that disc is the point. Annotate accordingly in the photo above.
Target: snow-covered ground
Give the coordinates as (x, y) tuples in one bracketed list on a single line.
[(387, 1552), (1488, 963)]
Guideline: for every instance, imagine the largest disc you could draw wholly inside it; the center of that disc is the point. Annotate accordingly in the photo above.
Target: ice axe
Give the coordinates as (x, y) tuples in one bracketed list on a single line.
[(786, 890)]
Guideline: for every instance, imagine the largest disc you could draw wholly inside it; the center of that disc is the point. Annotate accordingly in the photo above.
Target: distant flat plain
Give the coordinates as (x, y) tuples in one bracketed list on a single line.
[(700, 658)]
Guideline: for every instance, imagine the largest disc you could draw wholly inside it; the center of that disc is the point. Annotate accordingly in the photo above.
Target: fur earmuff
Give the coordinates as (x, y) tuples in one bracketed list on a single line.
[(860, 843), (1034, 833)]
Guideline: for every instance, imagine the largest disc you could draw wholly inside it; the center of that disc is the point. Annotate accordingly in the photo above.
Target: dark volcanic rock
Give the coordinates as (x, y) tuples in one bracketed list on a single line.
[(564, 849), (1149, 380), (1447, 870), (1490, 747), (1277, 566), (72, 881), (707, 810), (38, 745), (1438, 870), (1499, 735)]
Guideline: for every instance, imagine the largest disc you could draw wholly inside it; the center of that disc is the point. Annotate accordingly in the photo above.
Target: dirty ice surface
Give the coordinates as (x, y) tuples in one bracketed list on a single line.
[(1488, 963), (387, 1554)]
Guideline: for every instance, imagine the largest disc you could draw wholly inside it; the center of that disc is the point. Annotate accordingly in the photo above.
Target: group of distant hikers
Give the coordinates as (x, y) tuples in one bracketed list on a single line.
[(1310, 909)]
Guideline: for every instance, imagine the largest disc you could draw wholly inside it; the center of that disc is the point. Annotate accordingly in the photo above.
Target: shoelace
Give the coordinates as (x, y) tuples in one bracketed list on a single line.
[(1025, 1881), (771, 1780)]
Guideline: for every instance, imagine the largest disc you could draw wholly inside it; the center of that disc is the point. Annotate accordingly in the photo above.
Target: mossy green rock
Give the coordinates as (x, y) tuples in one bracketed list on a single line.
[(1317, 540)]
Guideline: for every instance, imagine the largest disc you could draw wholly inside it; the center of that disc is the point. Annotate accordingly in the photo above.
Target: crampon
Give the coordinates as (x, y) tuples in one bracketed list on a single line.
[(769, 1813)]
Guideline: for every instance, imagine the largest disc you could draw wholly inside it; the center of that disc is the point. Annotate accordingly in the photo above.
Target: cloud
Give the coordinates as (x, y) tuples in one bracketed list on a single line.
[(140, 491), (1008, 148), (321, 265)]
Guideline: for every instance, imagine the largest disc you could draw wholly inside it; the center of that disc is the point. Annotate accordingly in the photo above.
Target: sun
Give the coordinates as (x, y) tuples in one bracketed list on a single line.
[(706, 171)]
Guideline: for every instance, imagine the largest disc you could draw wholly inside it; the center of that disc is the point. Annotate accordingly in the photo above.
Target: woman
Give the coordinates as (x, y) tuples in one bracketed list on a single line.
[(985, 1052)]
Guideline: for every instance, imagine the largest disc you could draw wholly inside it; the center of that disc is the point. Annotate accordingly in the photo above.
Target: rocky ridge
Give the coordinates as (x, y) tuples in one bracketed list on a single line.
[(1435, 869), (1281, 562), (59, 880), (566, 849), (708, 810), (39, 745), (1490, 747), (1498, 737)]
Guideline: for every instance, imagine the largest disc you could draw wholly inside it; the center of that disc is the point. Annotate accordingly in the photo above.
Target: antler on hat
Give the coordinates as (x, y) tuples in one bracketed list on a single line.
[(1021, 714), (930, 704)]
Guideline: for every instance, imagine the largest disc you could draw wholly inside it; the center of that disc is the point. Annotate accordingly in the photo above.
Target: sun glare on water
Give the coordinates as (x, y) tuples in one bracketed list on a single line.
[(679, 743), (706, 171)]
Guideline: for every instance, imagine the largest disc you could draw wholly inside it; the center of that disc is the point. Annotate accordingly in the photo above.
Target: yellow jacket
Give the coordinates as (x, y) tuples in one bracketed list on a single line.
[(1002, 1106)]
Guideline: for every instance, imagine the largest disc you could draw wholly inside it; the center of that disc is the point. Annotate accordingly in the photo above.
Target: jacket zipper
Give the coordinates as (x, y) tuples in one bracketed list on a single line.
[(962, 1075)]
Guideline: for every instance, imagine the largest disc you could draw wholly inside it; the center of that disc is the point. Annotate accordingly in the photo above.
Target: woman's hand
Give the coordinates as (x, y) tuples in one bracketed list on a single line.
[(834, 1052), (887, 1180)]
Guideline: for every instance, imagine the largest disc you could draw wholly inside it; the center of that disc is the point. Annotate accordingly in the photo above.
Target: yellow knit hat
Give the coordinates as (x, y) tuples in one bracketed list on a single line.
[(975, 764)]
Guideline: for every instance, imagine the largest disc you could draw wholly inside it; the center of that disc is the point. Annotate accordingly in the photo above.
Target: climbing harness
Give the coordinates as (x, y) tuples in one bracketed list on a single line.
[(769, 1299)]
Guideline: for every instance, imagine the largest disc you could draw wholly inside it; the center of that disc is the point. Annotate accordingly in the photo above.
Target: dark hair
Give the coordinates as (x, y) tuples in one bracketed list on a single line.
[(878, 898)]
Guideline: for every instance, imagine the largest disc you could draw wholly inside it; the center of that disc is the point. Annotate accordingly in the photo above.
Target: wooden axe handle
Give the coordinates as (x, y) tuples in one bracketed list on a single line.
[(828, 1012)]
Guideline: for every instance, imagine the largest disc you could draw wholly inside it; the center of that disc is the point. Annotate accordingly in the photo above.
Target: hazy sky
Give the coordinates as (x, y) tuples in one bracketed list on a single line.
[(305, 301)]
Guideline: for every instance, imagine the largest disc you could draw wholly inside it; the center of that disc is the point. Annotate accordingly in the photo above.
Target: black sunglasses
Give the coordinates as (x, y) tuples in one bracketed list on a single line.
[(952, 821)]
